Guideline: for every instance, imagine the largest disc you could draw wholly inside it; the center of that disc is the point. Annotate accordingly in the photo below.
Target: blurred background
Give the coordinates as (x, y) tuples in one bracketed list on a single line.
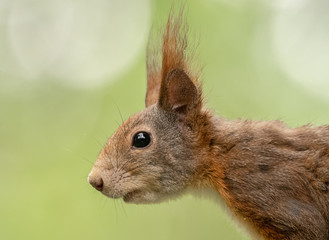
[(69, 69)]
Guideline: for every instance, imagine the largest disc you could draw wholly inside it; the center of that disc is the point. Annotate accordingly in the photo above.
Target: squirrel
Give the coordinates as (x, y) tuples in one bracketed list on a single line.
[(274, 179)]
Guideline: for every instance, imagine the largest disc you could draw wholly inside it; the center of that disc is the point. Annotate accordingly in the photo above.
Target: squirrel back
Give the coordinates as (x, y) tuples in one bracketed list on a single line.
[(274, 179)]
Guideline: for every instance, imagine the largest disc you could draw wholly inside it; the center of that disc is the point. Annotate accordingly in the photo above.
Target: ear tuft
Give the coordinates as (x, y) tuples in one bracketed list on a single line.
[(178, 92), (175, 55)]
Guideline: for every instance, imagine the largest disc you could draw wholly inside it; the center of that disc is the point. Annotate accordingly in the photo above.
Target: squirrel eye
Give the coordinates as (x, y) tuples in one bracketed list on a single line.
[(141, 139)]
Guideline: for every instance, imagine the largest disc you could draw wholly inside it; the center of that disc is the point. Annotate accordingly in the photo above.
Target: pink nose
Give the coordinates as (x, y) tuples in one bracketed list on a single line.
[(96, 182)]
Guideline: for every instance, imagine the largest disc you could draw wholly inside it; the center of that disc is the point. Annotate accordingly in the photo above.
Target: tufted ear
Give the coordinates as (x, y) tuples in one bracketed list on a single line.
[(178, 93), (169, 79)]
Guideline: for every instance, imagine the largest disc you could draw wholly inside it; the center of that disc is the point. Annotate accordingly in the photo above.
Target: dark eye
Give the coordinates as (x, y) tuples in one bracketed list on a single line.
[(141, 139)]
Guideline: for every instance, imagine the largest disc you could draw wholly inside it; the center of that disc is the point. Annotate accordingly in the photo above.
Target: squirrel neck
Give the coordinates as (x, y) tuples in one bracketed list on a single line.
[(230, 143), (258, 167), (235, 148), (219, 137)]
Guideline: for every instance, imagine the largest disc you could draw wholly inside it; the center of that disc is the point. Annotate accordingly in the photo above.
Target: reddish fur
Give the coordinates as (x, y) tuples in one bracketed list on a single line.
[(173, 56), (272, 177), (221, 153)]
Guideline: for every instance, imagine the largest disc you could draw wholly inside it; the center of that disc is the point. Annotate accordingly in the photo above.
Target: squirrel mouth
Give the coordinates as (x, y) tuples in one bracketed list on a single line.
[(130, 196)]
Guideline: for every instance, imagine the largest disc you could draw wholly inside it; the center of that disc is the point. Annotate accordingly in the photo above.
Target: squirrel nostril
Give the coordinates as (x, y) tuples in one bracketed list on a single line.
[(97, 183)]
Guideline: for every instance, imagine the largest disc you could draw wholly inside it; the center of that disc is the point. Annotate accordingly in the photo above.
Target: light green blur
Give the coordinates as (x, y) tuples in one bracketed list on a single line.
[(50, 134)]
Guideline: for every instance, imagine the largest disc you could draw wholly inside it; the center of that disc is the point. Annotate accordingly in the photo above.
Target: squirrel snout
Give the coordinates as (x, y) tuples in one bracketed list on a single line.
[(96, 181)]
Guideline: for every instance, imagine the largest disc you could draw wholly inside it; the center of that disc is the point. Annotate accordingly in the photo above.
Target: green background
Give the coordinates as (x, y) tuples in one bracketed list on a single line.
[(51, 134)]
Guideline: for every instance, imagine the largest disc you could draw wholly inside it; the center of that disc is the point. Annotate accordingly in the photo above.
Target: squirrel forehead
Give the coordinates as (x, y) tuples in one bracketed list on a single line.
[(142, 121), (150, 119)]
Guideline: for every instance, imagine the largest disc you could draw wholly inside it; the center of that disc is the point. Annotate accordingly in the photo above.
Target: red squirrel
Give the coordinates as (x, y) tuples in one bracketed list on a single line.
[(273, 178)]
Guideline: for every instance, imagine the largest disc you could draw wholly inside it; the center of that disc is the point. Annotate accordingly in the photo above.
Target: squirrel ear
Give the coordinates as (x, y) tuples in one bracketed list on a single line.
[(178, 92)]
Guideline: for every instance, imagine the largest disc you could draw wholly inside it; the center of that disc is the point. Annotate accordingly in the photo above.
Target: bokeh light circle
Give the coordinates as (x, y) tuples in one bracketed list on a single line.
[(80, 43), (300, 34)]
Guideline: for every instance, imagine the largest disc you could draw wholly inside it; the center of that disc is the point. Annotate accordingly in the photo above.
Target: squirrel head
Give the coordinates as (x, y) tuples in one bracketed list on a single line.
[(155, 154)]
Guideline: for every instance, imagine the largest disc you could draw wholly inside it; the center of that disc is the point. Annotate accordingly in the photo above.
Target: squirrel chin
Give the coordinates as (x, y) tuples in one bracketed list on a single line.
[(134, 196), (141, 197)]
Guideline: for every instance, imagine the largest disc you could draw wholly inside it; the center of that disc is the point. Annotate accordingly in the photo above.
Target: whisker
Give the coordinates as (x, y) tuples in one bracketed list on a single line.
[(98, 142), (86, 159), (116, 212), (123, 165), (81, 156), (122, 207), (126, 161), (137, 167), (117, 123), (119, 112), (124, 127)]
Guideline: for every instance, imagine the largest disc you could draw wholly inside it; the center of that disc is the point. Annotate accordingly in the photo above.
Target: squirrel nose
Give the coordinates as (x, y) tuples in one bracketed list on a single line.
[(96, 182)]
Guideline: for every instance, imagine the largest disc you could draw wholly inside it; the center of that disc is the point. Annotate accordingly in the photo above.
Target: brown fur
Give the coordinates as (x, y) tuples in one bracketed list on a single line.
[(272, 177), (174, 55)]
